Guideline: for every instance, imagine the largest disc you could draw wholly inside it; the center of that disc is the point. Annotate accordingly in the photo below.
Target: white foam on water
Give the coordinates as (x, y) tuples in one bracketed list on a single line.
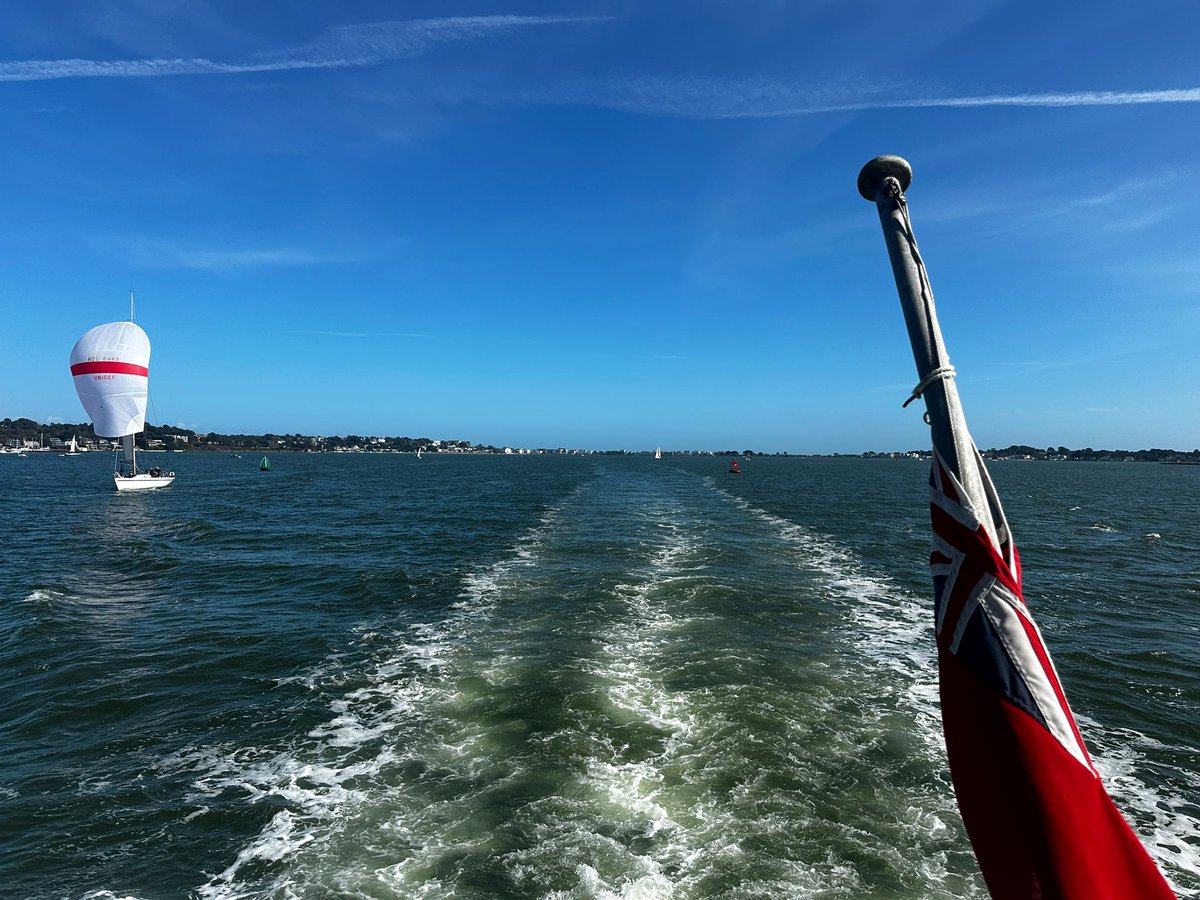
[(1169, 832), (656, 821), (93, 786), (628, 815), (639, 636), (324, 780), (45, 595), (614, 788), (591, 885)]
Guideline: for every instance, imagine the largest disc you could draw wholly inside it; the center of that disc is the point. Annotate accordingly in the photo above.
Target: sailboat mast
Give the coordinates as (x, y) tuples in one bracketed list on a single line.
[(131, 318)]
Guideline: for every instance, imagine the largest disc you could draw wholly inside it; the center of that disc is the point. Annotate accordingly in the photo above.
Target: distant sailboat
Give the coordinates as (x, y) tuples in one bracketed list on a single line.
[(658, 453), (72, 449), (419, 449), (111, 368)]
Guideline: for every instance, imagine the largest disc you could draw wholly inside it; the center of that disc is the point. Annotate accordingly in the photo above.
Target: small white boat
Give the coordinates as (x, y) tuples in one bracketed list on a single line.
[(143, 481), (658, 453)]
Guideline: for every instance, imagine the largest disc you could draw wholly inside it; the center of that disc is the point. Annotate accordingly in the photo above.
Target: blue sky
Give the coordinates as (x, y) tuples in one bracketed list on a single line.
[(606, 224)]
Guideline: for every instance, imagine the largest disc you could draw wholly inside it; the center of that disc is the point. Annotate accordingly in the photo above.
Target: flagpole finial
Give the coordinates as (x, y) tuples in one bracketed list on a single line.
[(871, 178)]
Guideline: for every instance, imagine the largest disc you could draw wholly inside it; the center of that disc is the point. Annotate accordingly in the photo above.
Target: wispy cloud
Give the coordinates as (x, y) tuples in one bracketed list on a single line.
[(149, 253), (1123, 206), (372, 44), (1023, 369), (349, 46), (359, 334)]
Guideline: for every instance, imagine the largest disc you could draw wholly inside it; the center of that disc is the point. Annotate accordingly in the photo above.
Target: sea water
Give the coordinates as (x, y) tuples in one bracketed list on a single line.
[(550, 677)]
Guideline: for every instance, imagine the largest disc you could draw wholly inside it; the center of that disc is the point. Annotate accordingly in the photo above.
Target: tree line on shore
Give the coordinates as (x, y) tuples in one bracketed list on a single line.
[(14, 432), (1087, 454)]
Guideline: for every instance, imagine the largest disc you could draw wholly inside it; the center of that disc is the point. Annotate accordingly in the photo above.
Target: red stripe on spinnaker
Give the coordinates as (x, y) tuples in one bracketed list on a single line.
[(108, 367)]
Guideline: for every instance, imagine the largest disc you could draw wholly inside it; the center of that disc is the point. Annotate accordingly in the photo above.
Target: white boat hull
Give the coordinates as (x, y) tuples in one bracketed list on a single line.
[(143, 481)]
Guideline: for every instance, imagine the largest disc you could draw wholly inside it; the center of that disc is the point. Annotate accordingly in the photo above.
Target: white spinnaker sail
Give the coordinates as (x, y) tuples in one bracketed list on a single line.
[(111, 368)]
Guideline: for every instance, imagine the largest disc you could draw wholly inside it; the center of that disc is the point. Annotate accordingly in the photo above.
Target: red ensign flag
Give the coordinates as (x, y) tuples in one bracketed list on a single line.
[(1038, 816)]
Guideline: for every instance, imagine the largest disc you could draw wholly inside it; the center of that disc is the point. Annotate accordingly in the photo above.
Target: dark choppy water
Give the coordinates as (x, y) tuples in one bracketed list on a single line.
[(373, 676)]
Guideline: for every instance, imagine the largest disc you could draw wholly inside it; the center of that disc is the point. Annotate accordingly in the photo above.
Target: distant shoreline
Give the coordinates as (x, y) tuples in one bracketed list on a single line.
[(26, 434)]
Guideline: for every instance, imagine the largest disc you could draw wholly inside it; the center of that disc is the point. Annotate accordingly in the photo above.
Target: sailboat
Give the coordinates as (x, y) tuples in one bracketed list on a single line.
[(72, 449), (419, 449), (111, 368), (658, 453)]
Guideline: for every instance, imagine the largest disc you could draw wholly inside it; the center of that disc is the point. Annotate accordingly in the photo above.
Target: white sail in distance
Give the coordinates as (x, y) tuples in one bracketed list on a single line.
[(110, 365)]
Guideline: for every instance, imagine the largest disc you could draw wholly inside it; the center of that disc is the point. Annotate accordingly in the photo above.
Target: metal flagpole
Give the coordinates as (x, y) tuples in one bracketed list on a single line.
[(883, 181)]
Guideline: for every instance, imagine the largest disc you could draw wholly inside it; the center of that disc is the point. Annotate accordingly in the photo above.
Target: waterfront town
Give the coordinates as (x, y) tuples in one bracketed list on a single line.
[(25, 435)]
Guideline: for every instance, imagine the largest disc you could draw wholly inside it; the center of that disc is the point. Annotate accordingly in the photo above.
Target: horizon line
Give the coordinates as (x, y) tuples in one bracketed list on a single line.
[(677, 451)]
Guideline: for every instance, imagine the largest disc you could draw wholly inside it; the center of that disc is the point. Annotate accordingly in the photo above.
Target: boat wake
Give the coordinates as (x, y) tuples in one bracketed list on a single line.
[(660, 691)]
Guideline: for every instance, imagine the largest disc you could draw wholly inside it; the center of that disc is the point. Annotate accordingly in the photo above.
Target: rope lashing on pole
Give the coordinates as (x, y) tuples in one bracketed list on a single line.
[(940, 372)]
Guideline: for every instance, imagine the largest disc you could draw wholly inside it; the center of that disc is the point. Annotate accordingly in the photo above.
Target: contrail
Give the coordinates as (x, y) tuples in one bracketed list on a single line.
[(1077, 98), (716, 98), (348, 46)]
